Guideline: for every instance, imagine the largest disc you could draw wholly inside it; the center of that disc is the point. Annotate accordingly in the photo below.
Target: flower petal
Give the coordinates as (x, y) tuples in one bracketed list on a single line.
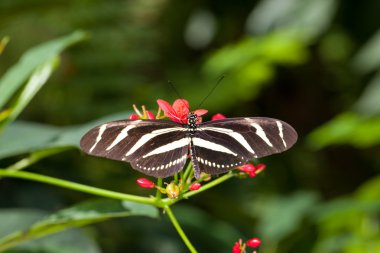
[(200, 112), (181, 106), (247, 168), (150, 115), (168, 110), (134, 117)]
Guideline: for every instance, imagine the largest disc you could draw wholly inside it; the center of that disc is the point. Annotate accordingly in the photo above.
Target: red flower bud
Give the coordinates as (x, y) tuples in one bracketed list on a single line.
[(236, 248), (195, 186), (250, 169), (150, 115), (218, 116), (247, 168), (145, 183), (260, 167), (253, 242), (134, 117)]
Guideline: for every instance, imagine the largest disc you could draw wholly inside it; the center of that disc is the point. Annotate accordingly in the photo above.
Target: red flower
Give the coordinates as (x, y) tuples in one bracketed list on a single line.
[(134, 117), (248, 168), (195, 186), (253, 242), (150, 115), (179, 111), (145, 183), (218, 116), (237, 248)]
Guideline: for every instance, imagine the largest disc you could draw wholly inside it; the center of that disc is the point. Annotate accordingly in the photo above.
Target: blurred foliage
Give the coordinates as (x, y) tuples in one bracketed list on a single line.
[(74, 240), (314, 64), (37, 65), (76, 216), (350, 224)]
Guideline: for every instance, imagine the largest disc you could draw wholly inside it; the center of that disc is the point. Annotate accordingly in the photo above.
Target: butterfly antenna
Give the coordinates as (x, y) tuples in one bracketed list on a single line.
[(176, 91), (212, 90)]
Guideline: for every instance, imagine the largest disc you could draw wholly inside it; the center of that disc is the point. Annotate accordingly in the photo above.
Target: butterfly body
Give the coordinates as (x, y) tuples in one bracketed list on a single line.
[(160, 148)]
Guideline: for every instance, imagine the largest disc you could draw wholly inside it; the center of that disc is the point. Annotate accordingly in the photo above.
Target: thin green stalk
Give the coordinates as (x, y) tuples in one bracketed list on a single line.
[(179, 229), (188, 169), (215, 182), (78, 187), (158, 193), (209, 185)]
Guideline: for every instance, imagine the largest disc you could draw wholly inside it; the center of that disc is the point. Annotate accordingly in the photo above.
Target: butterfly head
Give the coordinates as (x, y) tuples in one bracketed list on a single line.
[(192, 122)]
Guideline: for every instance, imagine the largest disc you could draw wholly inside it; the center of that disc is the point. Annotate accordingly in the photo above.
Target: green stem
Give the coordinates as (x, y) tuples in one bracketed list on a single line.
[(188, 169), (78, 187), (179, 229), (211, 184), (158, 193)]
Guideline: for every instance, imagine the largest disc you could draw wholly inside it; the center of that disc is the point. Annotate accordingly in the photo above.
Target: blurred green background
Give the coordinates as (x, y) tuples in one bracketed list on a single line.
[(312, 63)]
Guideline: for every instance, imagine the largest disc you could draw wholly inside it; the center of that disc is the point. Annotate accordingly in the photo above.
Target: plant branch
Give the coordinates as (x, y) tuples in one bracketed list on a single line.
[(209, 185), (179, 229), (78, 187), (213, 183)]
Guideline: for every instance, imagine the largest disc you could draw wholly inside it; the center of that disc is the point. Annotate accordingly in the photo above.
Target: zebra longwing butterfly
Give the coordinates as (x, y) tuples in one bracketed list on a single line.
[(160, 147)]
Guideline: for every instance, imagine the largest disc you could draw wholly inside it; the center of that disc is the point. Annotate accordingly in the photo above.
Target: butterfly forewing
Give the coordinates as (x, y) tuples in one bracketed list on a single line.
[(154, 147), (233, 142)]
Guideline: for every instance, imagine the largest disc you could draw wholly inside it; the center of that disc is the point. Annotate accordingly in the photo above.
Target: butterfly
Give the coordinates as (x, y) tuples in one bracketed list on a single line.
[(160, 148)]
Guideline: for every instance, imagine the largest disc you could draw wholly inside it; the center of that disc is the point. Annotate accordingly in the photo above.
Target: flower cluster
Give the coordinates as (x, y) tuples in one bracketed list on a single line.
[(144, 115), (173, 190), (179, 110), (252, 170), (240, 247)]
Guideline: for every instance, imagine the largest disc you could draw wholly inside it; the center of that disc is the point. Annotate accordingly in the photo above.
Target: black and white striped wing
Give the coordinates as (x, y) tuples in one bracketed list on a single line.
[(221, 145), (155, 147)]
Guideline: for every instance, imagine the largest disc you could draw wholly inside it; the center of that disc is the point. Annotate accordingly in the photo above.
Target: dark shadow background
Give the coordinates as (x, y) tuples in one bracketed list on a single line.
[(304, 62)]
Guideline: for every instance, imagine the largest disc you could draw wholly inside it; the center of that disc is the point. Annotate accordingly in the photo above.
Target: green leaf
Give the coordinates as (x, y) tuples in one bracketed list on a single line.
[(349, 224), (368, 103), (294, 208), (368, 57), (36, 81), (33, 59), (70, 241), (304, 18), (77, 216), (347, 128), (3, 43), (370, 190), (24, 137), (250, 64), (196, 219)]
